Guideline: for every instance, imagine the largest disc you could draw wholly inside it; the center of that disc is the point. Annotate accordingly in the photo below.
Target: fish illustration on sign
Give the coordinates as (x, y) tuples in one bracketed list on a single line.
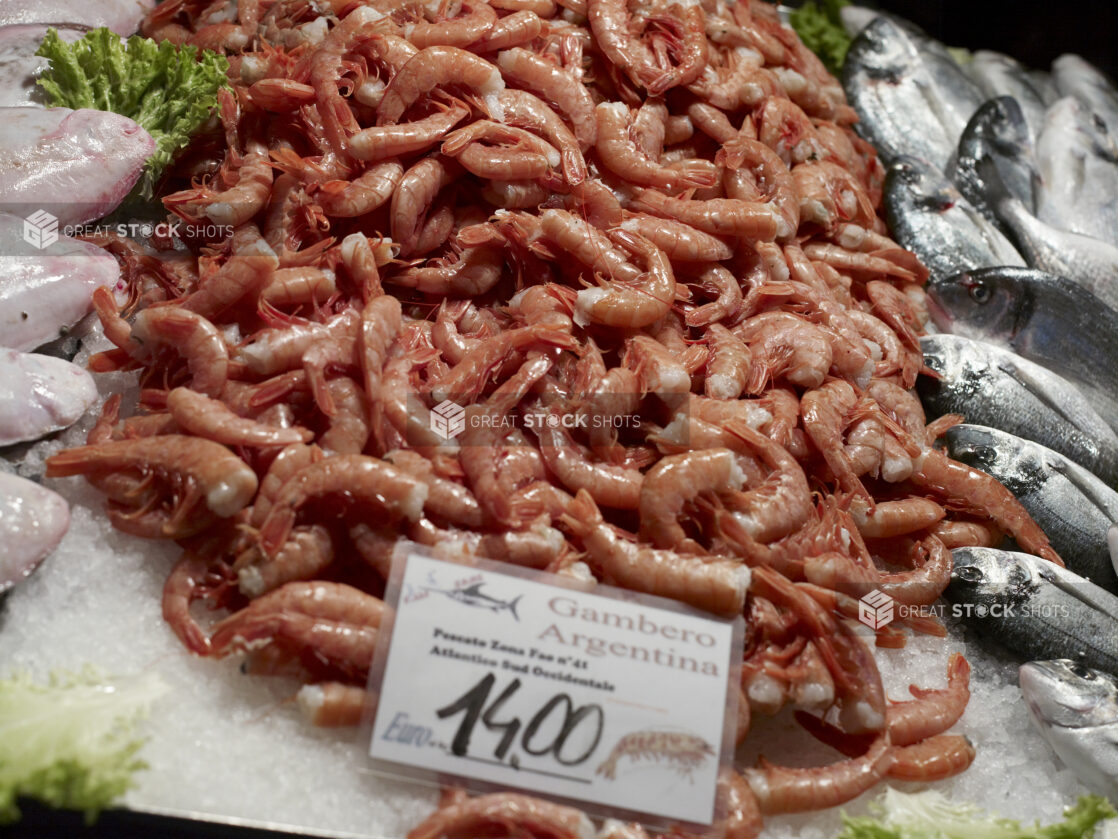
[(473, 596)]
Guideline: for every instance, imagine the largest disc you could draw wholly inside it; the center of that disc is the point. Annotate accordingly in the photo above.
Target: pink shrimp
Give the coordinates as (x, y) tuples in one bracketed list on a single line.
[(611, 485), (475, 19), (934, 759), (782, 502), (333, 704), (517, 29), (728, 370), (637, 303), (307, 552), (209, 418), (296, 286), (436, 67), (363, 479), (469, 376), (514, 813), (976, 492), (718, 216), (380, 142), (680, 479), (727, 303), (373, 188), (333, 622), (714, 583), (552, 84), (621, 155), (186, 583), (197, 340), (681, 242), (201, 476), (525, 110), (784, 345), (932, 711), (447, 500), (783, 790), (516, 154)]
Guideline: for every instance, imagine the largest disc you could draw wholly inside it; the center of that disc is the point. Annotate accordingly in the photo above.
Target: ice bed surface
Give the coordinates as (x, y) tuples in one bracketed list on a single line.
[(232, 747)]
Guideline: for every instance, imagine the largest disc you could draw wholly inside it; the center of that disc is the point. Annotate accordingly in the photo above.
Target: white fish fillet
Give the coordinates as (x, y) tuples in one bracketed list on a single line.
[(45, 291), (40, 394), (33, 521), (20, 67), (75, 165), (121, 16)]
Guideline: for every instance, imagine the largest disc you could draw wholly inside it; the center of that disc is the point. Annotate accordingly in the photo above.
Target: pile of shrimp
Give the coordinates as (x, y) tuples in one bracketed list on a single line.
[(650, 224)]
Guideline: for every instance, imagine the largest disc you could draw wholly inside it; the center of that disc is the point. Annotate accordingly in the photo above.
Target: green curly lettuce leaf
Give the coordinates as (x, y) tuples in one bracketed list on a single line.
[(170, 90), (930, 815), (820, 28), (70, 743)]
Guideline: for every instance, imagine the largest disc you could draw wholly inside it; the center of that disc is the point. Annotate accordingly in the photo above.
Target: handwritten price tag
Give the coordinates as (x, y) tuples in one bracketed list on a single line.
[(514, 678)]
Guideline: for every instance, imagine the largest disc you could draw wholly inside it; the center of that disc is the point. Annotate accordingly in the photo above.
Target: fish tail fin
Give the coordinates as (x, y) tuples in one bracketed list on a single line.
[(994, 190), (1112, 545), (512, 606)]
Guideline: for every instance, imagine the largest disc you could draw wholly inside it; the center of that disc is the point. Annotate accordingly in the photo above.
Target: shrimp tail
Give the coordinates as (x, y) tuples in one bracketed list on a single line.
[(582, 514)]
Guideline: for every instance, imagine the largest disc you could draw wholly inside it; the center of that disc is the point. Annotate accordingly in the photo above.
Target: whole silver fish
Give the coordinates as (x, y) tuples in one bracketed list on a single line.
[(999, 75), (1045, 85), (1090, 262), (1073, 507), (994, 387), (929, 216), (1077, 162), (1075, 709), (952, 83), (901, 107), (1034, 607), (1079, 78), (1044, 318), (997, 130)]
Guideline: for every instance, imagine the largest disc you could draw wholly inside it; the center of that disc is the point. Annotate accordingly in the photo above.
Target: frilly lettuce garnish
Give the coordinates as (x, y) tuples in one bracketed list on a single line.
[(170, 90), (820, 28), (71, 743), (930, 815)]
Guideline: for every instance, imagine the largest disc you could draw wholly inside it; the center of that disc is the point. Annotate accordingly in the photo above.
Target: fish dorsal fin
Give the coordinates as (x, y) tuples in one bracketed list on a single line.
[(1092, 488), (474, 589), (1029, 383), (1091, 595)]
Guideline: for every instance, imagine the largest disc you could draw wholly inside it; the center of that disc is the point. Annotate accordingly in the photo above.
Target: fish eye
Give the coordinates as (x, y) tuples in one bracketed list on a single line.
[(980, 293), (968, 574), (1081, 672)]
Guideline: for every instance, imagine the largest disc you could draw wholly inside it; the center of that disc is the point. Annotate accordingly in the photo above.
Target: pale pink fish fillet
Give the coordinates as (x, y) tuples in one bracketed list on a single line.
[(20, 67), (33, 521), (40, 394), (75, 165), (43, 291), (121, 16)]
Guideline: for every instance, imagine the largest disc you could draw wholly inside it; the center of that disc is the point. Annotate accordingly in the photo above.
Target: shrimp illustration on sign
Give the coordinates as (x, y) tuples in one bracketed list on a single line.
[(473, 596), (679, 750)]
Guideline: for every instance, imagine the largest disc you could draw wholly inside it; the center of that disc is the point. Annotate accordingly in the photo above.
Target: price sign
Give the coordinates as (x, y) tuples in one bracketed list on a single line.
[(521, 679)]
